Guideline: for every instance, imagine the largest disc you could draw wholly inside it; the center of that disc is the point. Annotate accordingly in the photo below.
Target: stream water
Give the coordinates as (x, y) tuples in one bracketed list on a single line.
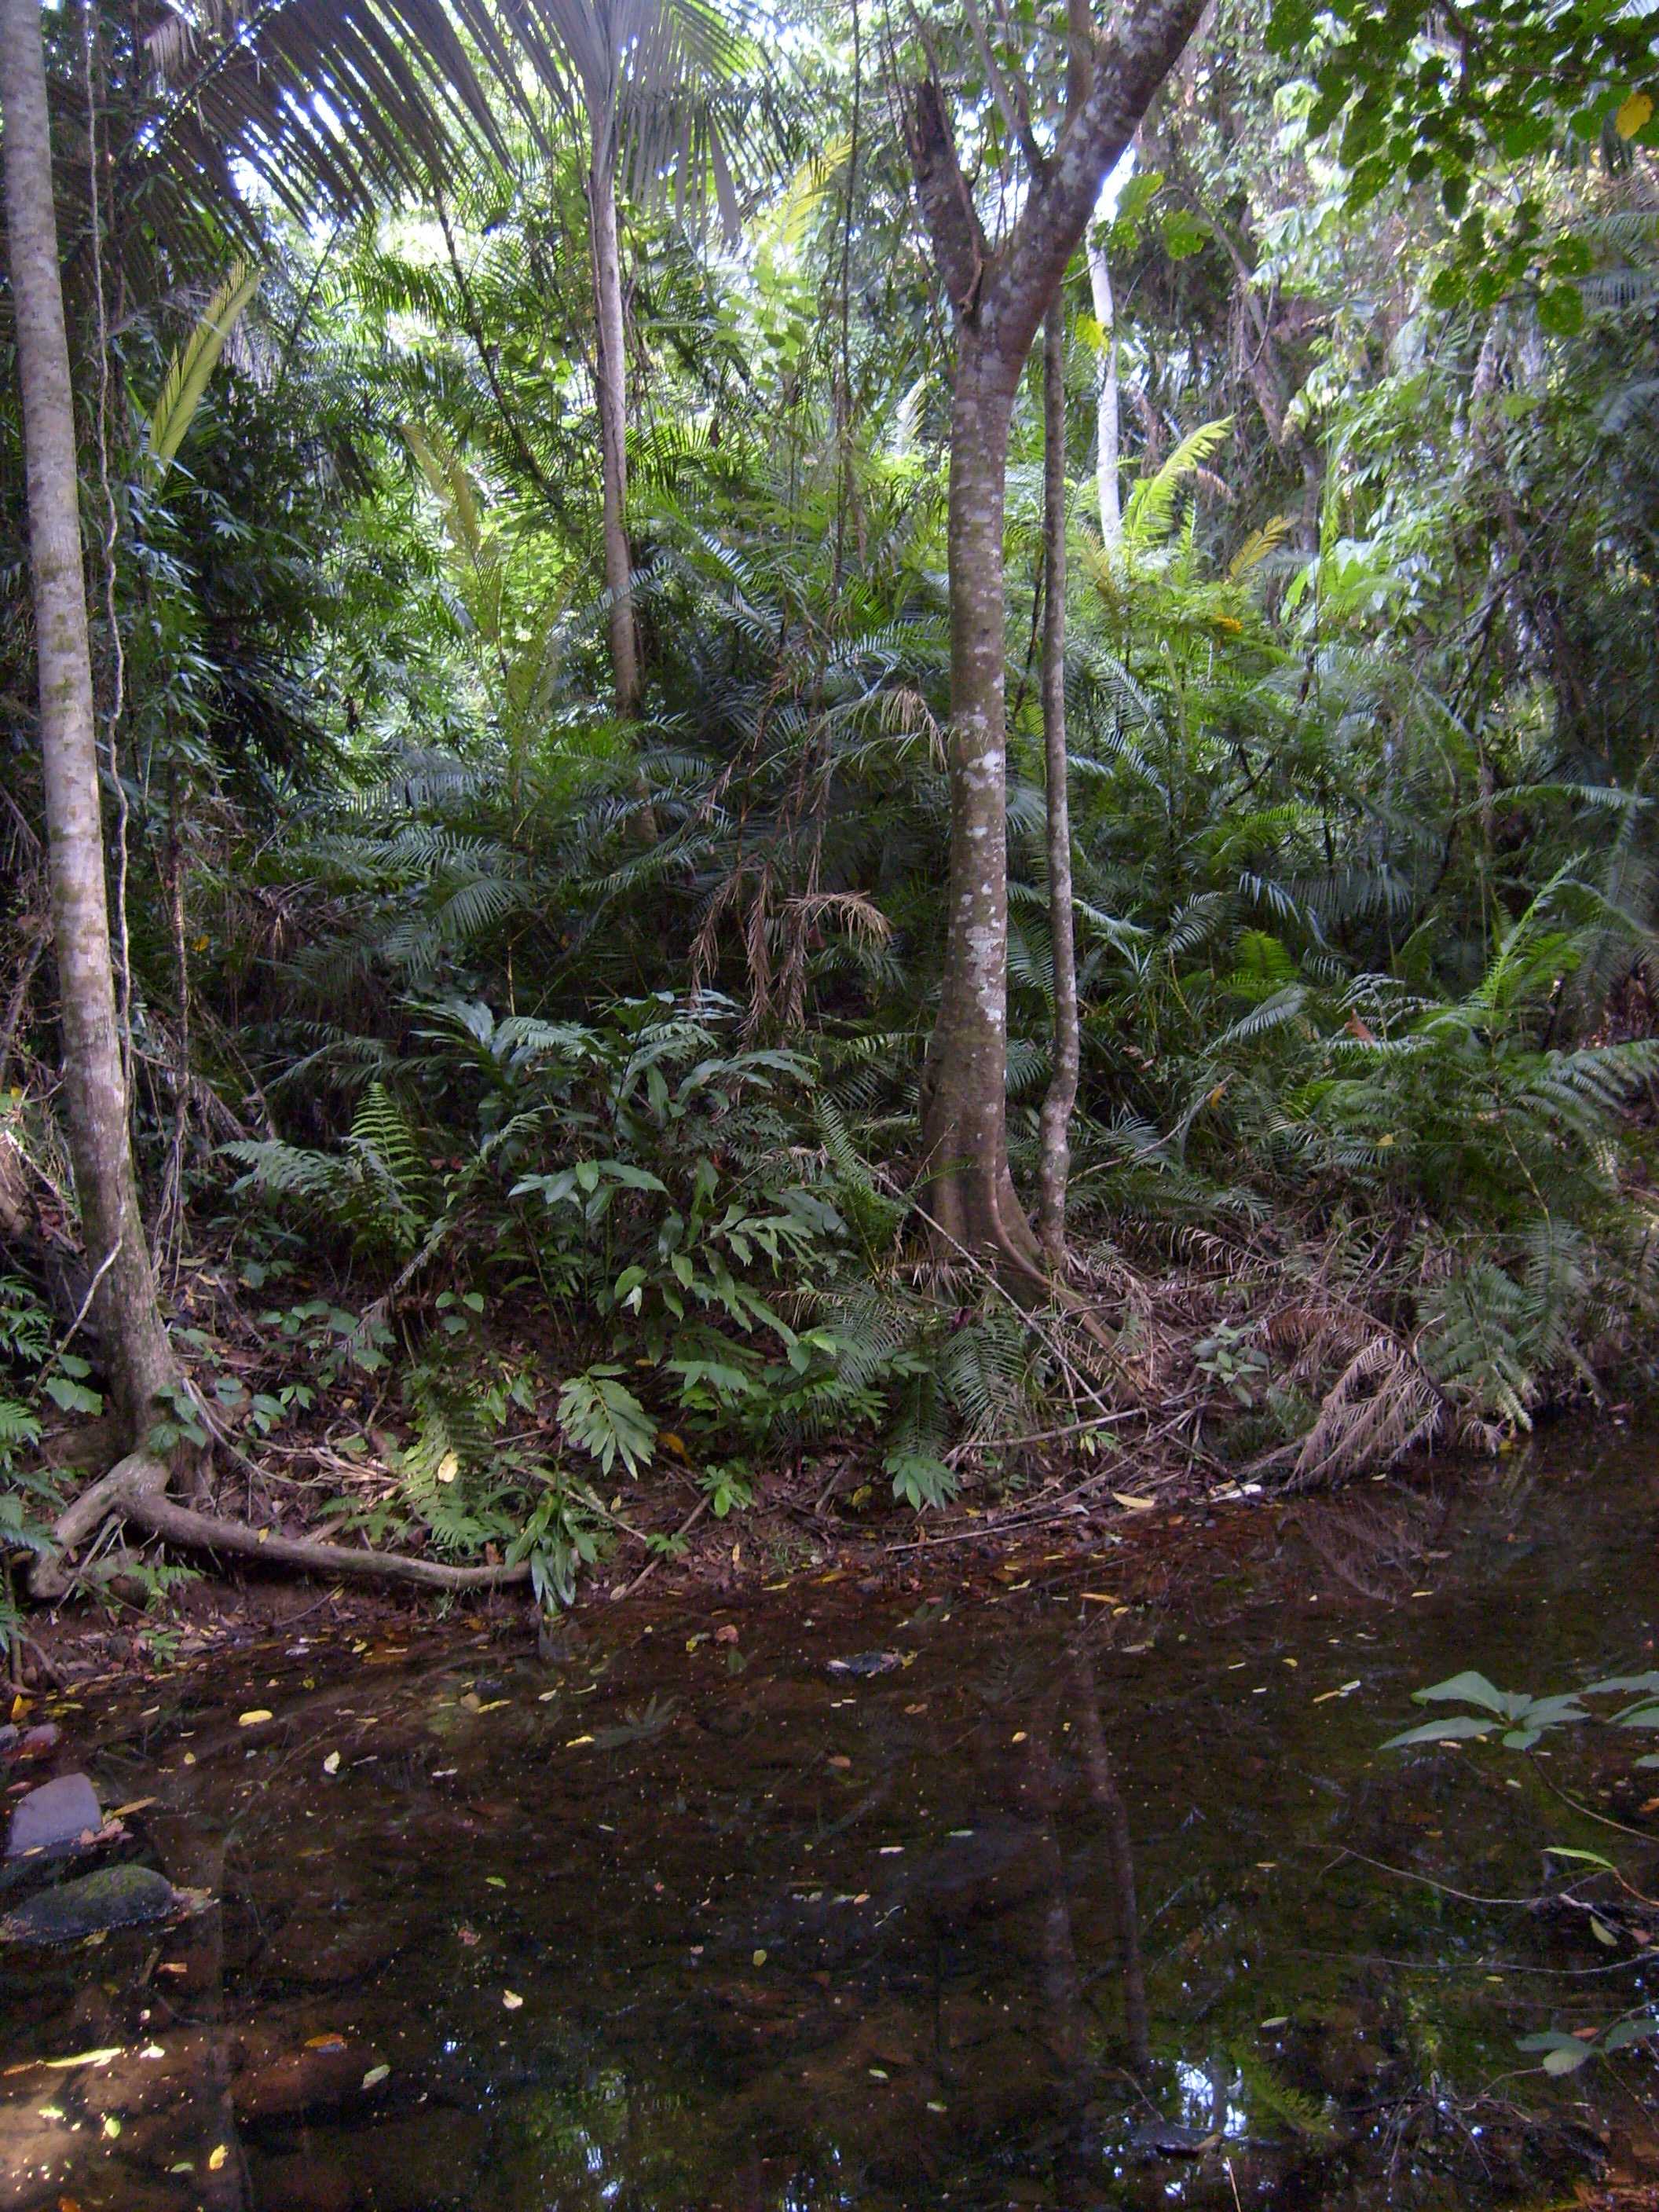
[(1079, 1902)]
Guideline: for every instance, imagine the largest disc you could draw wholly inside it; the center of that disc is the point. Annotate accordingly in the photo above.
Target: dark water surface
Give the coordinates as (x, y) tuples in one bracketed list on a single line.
[(1062, 1910)]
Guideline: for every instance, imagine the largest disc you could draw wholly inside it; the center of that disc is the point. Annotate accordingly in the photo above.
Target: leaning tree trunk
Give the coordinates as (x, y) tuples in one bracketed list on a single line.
[(611, 393), (124, 1301), (970, 1195), (1054, 1128)]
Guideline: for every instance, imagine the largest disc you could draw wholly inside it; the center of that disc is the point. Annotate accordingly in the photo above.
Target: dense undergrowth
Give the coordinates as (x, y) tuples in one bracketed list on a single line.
[(527, 1099)]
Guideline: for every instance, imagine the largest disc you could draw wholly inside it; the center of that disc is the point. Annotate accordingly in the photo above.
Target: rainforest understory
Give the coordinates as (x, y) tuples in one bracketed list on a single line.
[(806, 795)]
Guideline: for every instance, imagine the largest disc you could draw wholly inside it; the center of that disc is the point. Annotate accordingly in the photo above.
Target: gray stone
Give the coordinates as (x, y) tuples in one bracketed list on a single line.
[(54, 1816), (115, 1897)]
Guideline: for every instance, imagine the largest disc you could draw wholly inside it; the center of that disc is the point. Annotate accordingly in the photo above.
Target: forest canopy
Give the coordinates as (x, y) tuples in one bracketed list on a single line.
[(805, 753)]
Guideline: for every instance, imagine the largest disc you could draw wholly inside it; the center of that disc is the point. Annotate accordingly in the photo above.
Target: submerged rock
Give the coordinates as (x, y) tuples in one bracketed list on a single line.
[(114, 1897), (54, 1816)]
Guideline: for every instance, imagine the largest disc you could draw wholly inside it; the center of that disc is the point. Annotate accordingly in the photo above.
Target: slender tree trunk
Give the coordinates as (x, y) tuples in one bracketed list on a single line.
[(970, 1192), (1000, 295), (1107, 434), (125, 1301), (1054, 1151), (612, 396)]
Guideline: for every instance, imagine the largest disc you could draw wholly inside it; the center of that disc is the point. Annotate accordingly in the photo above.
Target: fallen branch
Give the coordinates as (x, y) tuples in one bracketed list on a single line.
[(136, 1488)]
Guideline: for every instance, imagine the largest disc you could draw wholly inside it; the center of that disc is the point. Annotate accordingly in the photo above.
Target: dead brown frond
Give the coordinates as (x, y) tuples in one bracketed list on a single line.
[(1381, 1406)]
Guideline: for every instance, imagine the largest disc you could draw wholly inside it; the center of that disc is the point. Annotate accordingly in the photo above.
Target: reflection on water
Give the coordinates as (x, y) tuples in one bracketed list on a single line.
[(1066, 1903)]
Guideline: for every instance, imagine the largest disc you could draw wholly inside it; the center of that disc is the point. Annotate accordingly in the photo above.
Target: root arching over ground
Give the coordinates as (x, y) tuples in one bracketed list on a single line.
[(138, 1490)]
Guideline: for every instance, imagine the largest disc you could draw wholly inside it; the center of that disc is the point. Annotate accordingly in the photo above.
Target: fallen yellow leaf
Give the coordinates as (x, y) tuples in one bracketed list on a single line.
[(253, 1719), (512, 1999), (216, 2157)]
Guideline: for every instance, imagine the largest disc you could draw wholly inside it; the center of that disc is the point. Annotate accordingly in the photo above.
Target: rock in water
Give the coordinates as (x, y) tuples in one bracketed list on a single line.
[(115, 1897), (54, 1816)]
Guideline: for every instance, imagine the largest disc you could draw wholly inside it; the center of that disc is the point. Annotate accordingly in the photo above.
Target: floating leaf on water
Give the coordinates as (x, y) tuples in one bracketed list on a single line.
[(86, 2058), (1278, 2020), (495, 1882), (331, 1764), (375, 2076), (571, 1742), (512, 1999), (217, 2156), (333, 2040), (1566, 2061), (757, 1959), (876, 2073), (112, 2127), (253, 1719)]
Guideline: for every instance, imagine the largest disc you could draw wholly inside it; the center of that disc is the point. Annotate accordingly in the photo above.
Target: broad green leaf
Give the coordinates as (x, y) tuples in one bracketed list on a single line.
[(1472, 1689), (1455, 1725)]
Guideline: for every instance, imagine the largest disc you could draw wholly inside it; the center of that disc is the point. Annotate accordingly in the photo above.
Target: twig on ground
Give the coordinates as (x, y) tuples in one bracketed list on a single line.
[(651, 1565)]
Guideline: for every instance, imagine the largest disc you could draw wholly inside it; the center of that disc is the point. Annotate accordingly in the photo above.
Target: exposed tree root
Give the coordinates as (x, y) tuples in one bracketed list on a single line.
[(135, 1489)]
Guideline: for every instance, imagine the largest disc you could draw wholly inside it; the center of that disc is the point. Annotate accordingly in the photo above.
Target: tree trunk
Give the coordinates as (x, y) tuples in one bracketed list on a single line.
[(970, 1194), (1054, 1153), (1000, 295), (124, 1303), (611, 393), (1107, 436)]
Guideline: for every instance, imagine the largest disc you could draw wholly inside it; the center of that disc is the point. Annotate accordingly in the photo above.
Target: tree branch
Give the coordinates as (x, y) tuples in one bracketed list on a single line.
[(946, 204), (1130, 62)]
